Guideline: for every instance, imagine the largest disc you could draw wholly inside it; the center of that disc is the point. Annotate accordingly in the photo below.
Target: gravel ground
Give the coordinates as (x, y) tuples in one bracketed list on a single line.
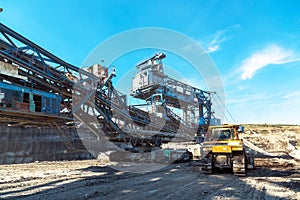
[(277, 176), (90, 180)]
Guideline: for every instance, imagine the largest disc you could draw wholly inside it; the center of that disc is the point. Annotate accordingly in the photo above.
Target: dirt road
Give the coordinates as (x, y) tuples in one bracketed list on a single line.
[(89, 180), (277, 176)]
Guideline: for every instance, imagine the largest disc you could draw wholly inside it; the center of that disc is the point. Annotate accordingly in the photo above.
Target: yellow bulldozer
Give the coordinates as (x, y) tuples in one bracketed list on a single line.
[(223, 149)]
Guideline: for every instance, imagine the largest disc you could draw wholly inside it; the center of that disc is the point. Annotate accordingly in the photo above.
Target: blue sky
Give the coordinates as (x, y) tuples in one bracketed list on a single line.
[(254, 44)]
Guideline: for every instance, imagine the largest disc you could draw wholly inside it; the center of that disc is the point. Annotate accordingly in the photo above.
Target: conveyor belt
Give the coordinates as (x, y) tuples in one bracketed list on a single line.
[(45, 71)]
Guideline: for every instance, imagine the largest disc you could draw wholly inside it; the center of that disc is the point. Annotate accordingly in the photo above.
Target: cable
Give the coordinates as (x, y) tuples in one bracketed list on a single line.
[(226, 110), (218, 104)]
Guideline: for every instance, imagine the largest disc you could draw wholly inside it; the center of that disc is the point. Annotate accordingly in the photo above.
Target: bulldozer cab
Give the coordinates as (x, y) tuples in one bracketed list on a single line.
[(225, 132), (219, 134)]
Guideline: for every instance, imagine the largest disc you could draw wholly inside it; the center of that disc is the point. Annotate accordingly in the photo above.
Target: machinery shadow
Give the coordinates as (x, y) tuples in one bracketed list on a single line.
[(177, 181)]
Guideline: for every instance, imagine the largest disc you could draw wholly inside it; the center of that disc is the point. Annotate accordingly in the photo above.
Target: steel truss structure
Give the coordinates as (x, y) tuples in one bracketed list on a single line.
[(81, 91)]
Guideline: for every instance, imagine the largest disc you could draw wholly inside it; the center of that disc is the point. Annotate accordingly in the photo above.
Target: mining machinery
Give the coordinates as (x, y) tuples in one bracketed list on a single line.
[(44, 89), (38, 88), (164, 93), (223, 149)]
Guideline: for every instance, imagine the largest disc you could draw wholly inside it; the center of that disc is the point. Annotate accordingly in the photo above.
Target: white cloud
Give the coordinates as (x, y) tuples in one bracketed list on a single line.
[(272, 54), (262, 108), (213, 48), (245, 98), (213, 42), (218, 38), (291, 95)]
